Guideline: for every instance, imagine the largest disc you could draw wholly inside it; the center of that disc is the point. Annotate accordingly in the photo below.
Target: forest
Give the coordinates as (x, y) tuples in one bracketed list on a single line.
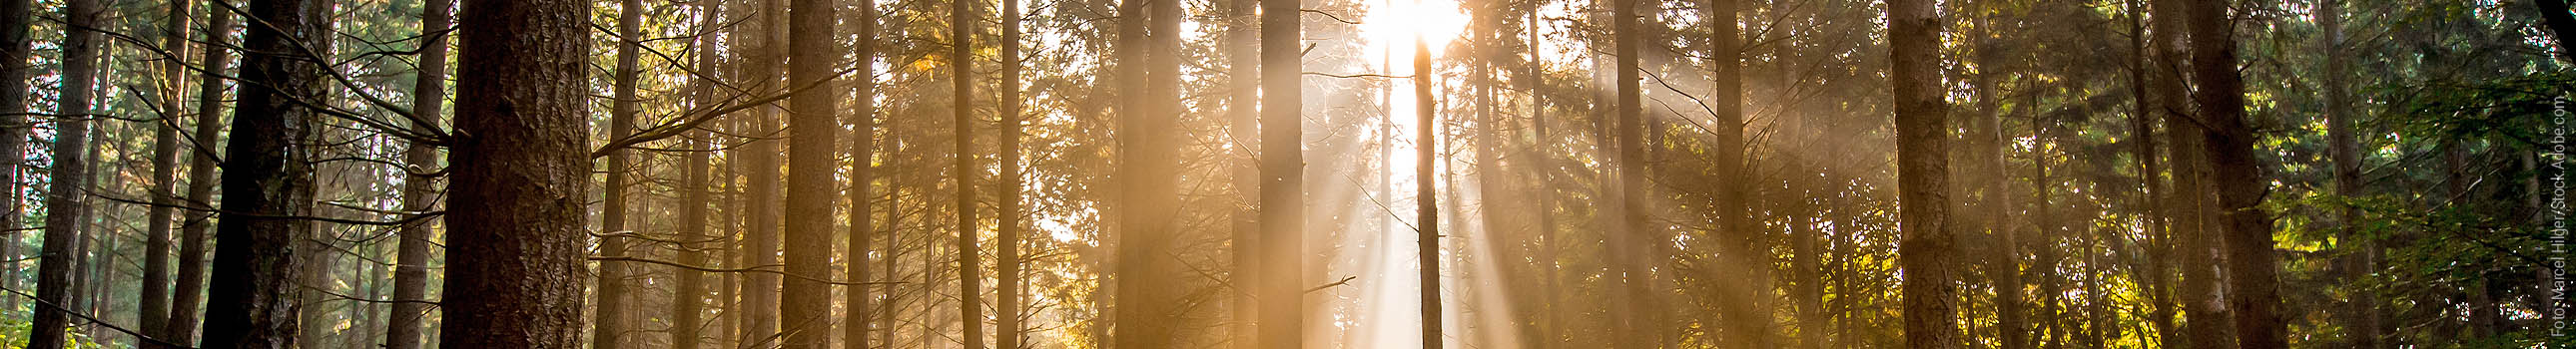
[(1280, 174)]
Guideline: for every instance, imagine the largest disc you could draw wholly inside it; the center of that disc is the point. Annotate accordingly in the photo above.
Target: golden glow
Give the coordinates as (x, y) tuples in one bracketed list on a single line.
[(1393, 23)]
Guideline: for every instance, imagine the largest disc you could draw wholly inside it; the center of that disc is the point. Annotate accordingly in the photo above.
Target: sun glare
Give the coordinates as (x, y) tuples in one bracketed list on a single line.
[(1393, 23)]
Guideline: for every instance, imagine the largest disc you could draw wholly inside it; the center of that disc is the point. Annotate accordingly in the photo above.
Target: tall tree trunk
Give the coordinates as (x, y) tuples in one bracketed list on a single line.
[(420, 191), (2204, 318), (2252, 265), (1006, 266), (761, 292), (688, 300), (609, 322), (862, 174), (16, 16), (1746, 323), (1628, 241), (1243, 118), (813, 130), (520, 154), (1144, 314), (153, 311), (1426, 146), (1994, 203), (2360, 260), (2158, 280), (970, 276), (251, 302), (1283, 193), (63, 210), (182, 327), (1922, 141)]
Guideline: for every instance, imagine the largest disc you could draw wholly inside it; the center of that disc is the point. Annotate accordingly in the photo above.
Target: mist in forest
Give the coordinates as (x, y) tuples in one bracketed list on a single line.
[(1276, 174)]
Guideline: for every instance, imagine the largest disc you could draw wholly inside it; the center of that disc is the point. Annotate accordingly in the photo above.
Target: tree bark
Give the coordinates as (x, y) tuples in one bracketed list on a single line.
[(2360, 260), (420, 190), (761, 292), (1922, 140), (1145, 315), (153, 308), (62, 200), (970, 276), (1243, 118), (520, 153), (1426, 147), (688, 302), (609, 322), (1628, 243), (813, 128), (2252, 265), (862, 174), (1283, 198), (1006, 294), (252, 301), (16, 17), (182, 327)]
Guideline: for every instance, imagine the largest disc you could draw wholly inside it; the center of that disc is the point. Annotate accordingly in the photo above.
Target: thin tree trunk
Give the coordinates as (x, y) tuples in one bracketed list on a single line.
[(1243, 118), (609, 322), (420, 190), (688, 301), (2158, 280), (1006, 294), (182, 327), (1922, 133), (2252, 265), (251, 302), (54, 284), (1144, 314), (153, 312), (970, 276), (1426, 146), (761, 216), (1633, 328), (16, 17), (2361, 313), (862, 174), (521, 156), (1283, 198)]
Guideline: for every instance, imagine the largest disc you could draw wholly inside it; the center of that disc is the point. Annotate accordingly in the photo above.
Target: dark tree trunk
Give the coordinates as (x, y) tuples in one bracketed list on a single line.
[(1994, 205), (268, 181), (420, 190), (1283, 175), (862, 173), (813, 128), (1006, 294), (689, 300), (2204, 323), (1922, 141), (1242, 49), (609, 322), (970, 276), (1145, 313), (1627, 243), (2360, 261), (16, 17), (54, 272), (761, 198), (182, 328), (1426, 146), (2158, 278), (2555, 15), (520, 154), (2252, 266), (153, 311)]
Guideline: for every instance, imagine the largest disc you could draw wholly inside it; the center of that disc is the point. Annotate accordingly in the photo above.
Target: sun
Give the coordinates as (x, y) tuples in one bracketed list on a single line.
[(1393, 23)]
